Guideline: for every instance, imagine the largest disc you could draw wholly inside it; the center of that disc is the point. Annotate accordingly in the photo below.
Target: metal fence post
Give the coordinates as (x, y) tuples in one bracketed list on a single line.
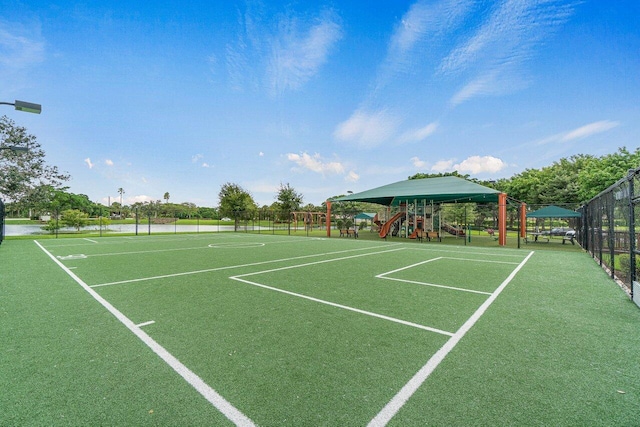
[(2, 213), (632, 230)]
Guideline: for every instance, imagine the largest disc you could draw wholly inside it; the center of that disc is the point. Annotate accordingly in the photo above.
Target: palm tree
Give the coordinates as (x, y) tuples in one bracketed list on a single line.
[(166, 197), (121, 191)]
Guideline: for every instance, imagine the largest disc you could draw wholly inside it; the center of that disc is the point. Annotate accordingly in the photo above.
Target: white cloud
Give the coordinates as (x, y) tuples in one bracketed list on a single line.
[(352, 177), (472, 165), (419, 26), (205, 165), (579, 133), (315, 163), (88, 162), (417, 135), (138, 199), (480, 164), (196, 158), (367, 129), (590, 129), (296, 54), (282, 56), (108, 162), (261, 154), (495, 53), (417, 163), (482, 85), (443, 166), (18, 51)]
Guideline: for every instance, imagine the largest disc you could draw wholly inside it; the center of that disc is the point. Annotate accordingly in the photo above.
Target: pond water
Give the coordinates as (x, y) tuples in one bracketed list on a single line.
[(26, 230)]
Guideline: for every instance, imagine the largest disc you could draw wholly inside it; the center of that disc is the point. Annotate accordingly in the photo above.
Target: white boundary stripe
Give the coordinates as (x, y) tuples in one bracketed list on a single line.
[(217, 245), (490, 261), (150, 322), (89, 240), (469, 250), (230, 411), (344, 307), (433, 285), (383, 275), (229, 267), (398, 401), (333, 304)]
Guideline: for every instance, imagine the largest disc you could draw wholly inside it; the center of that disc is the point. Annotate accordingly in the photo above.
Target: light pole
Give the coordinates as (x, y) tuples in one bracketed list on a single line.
[(27, 107)]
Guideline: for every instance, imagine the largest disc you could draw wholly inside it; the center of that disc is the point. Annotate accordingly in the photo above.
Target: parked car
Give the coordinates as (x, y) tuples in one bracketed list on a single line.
[(561, 231)]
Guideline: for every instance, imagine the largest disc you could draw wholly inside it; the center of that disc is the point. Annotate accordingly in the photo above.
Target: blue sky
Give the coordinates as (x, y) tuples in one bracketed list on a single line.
[(329, 97)]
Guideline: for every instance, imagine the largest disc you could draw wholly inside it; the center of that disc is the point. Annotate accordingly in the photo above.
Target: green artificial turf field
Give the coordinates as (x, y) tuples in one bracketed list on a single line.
[(216, 329)]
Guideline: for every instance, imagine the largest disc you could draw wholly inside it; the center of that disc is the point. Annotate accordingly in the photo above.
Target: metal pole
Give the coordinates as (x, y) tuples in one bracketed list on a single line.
[(632, 232)]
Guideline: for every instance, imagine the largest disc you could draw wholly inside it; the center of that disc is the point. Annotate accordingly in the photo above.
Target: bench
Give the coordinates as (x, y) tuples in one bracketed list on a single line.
[(428, 235), (535, 237), (433, 235), (348, 232), (570, 237)]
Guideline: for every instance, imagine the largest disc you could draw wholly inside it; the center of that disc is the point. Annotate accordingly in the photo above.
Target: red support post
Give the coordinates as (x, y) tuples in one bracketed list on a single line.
[(502, 219)]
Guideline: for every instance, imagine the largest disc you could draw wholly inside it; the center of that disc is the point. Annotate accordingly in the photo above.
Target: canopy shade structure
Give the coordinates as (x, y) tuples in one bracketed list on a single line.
[(438, 190), (365, 215), (553, 212)]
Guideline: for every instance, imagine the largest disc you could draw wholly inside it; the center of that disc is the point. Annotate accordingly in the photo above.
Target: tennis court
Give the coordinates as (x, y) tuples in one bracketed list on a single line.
[(215, 329)]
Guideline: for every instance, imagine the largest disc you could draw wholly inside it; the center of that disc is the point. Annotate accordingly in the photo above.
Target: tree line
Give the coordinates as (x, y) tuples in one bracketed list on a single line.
[(31, 186)]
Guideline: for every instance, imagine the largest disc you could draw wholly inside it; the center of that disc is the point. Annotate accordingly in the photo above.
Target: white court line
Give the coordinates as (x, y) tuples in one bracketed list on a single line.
[(230, 411), (89, 240), (469, 250), (433, 285), (150, 322), (220, 245), (453, 288), (209, 270), (398, 401), (333, 304), (344, 307), (408, 266), (490, 261)]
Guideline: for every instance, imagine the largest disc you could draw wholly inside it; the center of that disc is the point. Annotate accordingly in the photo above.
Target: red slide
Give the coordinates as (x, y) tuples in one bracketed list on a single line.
[(384, 230)]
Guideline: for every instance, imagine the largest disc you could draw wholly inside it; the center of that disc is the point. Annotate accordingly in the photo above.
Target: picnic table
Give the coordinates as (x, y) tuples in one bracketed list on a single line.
[(536, 235)]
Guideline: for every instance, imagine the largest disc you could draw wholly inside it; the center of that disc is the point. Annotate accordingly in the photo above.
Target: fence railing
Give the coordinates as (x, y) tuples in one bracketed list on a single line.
[(1, 221), (609, 231)]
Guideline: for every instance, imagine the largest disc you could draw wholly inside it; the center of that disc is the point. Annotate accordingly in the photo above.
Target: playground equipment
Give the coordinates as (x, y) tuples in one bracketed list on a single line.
[(456, 231), (409, 220)]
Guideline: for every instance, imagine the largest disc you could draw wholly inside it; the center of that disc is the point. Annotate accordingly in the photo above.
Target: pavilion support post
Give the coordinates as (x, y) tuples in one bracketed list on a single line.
[(328, 218), (502, 219), (523, 221)]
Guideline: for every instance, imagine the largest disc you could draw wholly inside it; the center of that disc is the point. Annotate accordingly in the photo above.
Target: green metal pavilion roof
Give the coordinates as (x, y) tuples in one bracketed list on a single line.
[(553, 212), (438, 190)]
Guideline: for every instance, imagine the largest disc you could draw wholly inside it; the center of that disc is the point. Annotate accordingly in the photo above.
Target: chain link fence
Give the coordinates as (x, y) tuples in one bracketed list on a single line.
[(609, 231), (2, 214)]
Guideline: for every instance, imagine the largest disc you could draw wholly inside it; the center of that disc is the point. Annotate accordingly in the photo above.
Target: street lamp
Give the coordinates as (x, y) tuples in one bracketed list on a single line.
[(27, 107), (15, 149)]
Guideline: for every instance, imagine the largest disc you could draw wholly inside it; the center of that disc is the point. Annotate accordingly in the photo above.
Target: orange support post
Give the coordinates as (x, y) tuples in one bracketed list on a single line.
[(502, 219), (328, 218), (523, 221)]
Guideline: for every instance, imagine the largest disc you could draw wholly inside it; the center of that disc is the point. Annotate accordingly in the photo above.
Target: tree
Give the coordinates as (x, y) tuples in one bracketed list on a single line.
[(235, 202), (288, 201), (166, 197), (23, 173), (74, 218)]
